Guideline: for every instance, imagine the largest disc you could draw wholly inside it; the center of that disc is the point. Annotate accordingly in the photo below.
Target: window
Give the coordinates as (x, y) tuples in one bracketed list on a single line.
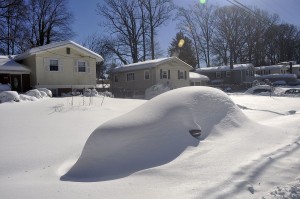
[(147, 75), (164, 75), (68, 51), (180, 75), (81, 66), (227, 73), (218, 74), (53, 65), (130, 76)]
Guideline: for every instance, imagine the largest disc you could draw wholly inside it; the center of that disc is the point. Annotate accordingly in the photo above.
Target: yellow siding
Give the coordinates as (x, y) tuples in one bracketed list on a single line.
[(30, 62), (66, 76)]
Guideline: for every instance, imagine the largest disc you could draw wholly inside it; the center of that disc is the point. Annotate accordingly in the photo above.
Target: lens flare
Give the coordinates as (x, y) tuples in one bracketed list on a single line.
[(181, 42), (202, 1)]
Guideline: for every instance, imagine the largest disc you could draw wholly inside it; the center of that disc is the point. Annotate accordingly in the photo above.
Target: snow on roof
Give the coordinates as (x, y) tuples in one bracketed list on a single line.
[(57, 45), (271, 76), (8, 64), (198, 77), (147, 64), (271, 67), (226, 68)]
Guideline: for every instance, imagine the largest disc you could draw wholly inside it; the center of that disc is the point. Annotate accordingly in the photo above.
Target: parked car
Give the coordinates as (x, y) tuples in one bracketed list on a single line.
[(292, 91)]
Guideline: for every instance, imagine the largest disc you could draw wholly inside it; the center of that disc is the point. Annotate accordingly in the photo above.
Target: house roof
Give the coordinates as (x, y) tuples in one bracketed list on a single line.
[(148, 64), (55, 45), (194, 77), (226, 68), (271, 67), (8, 64)]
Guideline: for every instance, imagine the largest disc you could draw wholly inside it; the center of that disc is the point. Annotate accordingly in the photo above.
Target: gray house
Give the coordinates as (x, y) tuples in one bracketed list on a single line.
[(132, 80), (278, 74), (241, 76)]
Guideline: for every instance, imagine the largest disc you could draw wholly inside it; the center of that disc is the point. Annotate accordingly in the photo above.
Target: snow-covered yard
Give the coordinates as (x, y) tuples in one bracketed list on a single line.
[(251, 150)]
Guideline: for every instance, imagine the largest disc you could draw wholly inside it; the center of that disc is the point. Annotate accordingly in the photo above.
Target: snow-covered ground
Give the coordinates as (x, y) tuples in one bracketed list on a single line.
[(119, 148)]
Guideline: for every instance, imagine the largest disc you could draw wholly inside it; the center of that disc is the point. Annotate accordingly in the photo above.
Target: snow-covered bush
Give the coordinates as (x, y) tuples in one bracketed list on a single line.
[(34, 93), (106, 94), (27, 98), (8, 96), (47, 91), (43, 94), (155, 90), (5, 87), (90, 92)]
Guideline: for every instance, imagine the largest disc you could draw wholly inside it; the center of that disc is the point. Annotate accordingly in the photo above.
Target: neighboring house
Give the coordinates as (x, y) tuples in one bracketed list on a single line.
[(15, 74), (61, 66), (197, 79), (241, 76), (132, 80), (278, 74), (273, 69), (296, 70)]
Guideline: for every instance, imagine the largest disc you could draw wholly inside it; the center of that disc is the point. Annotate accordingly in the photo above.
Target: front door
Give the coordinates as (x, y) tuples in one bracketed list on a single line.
[(16, 83)]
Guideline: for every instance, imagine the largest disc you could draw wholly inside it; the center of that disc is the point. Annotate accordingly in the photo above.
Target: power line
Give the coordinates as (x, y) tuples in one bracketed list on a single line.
[(248, 11)]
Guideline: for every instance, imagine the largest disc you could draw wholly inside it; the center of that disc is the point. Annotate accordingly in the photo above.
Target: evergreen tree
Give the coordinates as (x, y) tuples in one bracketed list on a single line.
[(182, 47)]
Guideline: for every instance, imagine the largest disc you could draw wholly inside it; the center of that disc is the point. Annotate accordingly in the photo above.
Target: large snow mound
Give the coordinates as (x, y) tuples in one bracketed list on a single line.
[(155, 133), (9, 96)]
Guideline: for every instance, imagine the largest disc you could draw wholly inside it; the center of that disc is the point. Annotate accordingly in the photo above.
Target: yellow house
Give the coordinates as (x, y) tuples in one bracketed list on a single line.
[(134, 79), (61, 66)]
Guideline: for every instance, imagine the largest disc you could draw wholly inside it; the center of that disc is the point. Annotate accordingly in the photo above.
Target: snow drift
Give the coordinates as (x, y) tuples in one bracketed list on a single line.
[(155, 133)]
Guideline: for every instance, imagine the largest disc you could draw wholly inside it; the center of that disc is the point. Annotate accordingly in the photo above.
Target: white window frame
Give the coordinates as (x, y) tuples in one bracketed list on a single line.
[(164, 74), (76, 66), (52, 59), (181, 74), (85, 66), (146, 75), (218, 75), (130, 76)]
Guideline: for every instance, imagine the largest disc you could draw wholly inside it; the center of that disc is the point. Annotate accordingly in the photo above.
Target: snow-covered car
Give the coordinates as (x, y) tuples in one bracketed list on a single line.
[(260, 89), (292, 91), (8, 96)]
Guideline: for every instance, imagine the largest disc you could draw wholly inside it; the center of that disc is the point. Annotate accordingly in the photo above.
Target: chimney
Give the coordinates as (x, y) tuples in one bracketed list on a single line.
[(291, 67)]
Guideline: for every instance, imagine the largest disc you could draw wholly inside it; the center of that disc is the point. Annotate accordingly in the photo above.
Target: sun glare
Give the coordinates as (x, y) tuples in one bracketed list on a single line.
[(181, 42)]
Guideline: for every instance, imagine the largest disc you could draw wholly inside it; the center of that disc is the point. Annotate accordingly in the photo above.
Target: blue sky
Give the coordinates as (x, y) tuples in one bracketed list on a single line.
[(86, 19)]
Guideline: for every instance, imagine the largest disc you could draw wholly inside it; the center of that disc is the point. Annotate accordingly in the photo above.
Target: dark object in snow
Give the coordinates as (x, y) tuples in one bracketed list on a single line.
[(195, 133)]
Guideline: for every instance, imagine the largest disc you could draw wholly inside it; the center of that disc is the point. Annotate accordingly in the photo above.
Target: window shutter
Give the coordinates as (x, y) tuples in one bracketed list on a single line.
[(178, 74), (87, 67), (60, 65), (160, 73), (185, 75), (169, 74), (75, 68), (47, 64)]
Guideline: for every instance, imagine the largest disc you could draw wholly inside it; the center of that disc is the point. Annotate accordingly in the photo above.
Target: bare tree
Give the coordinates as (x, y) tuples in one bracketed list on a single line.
[(230, 30), (99, 45), (12, 23), (49, 20), (123, 21), (157, 13), (198, 22)]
